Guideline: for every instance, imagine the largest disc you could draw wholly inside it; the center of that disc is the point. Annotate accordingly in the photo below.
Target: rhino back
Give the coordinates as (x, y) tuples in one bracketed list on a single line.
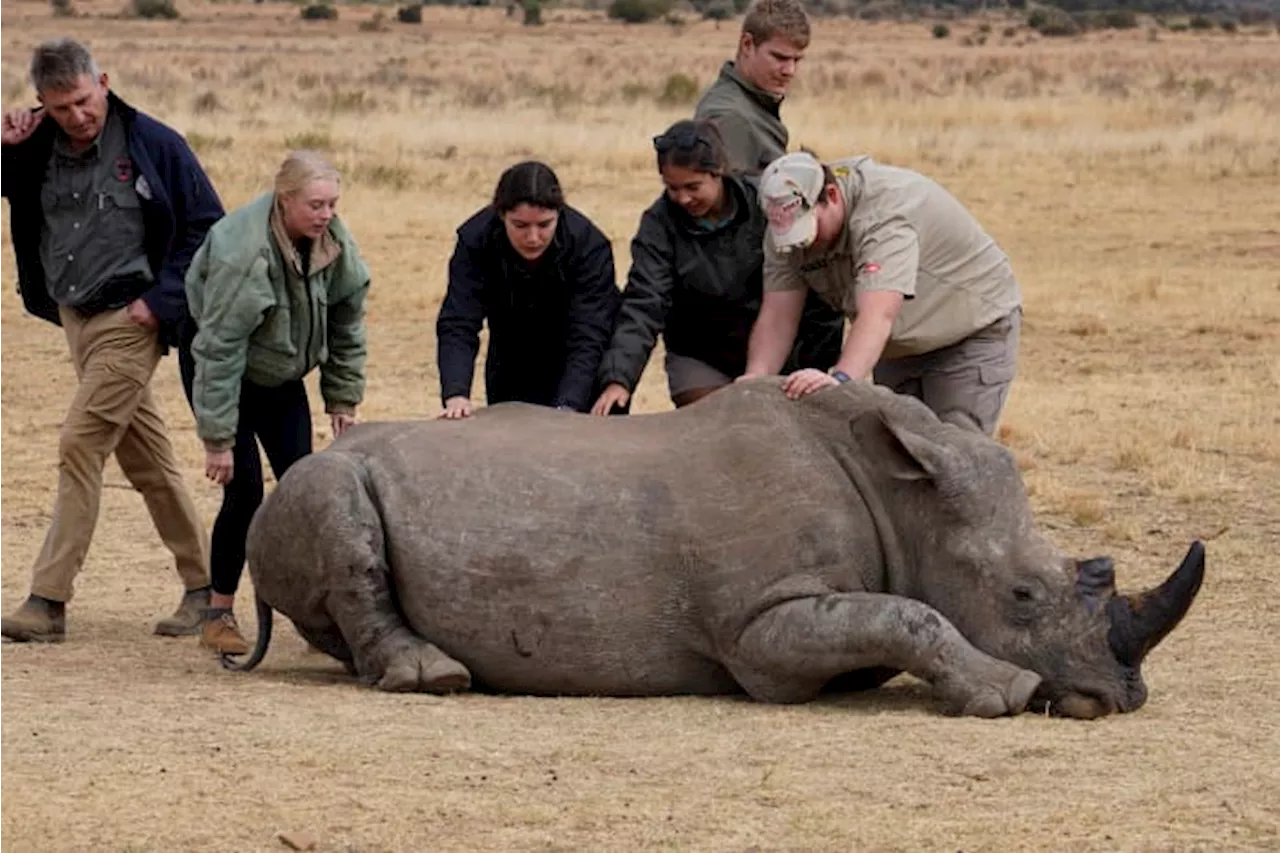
[(558, 553)]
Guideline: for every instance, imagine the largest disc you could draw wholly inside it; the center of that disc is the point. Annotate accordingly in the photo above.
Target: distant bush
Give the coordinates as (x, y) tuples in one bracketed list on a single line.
[(319, 12), (1178, 27), (532, 13), (678, 90), (1119, 19), (1250, 15), (1009, 32), (410, 14), (1200, 22), (154, 9), (1228, 25), (722, 10), (63, 9), (639, 11), (1052, 21), (941, 31)]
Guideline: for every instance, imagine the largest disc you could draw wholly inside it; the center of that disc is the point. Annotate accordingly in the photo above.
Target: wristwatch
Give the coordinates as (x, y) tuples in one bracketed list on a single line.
[(840, 376)]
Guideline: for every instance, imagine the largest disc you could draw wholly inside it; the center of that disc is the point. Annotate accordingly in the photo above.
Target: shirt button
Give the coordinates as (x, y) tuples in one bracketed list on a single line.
[(77, 225), (75, 195), (71, 257)]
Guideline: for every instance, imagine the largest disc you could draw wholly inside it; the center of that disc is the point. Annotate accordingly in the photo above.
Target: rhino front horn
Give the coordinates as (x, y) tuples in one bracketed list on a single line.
[(1140, 622)]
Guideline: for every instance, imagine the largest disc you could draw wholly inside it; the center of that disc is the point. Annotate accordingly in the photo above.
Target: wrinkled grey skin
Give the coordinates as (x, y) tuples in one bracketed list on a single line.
[(748, 542)]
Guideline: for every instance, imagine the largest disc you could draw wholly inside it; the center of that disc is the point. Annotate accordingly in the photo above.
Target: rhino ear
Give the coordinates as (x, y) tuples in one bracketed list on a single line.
[(913, 456)]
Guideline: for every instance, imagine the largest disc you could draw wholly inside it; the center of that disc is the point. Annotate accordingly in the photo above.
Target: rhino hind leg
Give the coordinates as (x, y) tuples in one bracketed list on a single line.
[(387, 652), (790, 652), (371, 635)]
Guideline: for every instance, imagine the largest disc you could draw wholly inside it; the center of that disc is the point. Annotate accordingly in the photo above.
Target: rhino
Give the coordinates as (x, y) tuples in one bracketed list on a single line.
[(747, 543)]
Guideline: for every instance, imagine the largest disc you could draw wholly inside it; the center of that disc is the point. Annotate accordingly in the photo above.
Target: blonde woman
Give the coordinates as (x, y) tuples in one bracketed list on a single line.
[(276, 289)]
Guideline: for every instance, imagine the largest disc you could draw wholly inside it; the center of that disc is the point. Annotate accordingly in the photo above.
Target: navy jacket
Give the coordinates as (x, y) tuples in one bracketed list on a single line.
[(549, 322), (178, 206)]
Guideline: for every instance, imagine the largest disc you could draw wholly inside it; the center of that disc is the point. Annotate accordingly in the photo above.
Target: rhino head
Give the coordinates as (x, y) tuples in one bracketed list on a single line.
[(970, 548)]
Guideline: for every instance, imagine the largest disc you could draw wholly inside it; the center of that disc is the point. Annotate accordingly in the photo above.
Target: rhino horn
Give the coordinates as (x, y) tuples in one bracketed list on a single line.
[(1140, 622)]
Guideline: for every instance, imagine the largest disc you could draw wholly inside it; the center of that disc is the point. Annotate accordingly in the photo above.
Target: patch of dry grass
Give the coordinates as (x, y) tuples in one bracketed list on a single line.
[(1132, 182)]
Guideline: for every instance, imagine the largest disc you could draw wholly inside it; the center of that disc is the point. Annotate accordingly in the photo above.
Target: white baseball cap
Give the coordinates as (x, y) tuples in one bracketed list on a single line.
[(789, 189)]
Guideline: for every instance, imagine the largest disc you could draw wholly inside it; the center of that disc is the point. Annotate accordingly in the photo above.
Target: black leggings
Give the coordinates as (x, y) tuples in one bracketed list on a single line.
[(281, 419)]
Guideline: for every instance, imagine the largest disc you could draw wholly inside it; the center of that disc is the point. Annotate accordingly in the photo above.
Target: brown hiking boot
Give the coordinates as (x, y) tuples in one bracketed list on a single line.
[(188, 619), (38, 620), (222, 634)]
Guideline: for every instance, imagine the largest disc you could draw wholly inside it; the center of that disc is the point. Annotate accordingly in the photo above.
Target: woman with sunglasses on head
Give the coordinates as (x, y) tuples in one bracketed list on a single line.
[(695, 278)]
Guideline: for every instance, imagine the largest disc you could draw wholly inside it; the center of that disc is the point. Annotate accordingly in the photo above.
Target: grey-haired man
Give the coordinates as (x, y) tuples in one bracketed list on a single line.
[(107, 207)]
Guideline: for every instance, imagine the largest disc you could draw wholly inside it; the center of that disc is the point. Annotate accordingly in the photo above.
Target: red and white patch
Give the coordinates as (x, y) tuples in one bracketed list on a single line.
[(870, 269)]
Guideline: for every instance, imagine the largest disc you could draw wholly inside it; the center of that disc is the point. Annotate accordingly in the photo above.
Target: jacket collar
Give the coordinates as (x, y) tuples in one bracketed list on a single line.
[(769, 101)]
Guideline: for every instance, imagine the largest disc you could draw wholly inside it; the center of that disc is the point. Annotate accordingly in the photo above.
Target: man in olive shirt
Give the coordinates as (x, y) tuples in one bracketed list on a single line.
[(934, 305), (107, 206), (745, 104)]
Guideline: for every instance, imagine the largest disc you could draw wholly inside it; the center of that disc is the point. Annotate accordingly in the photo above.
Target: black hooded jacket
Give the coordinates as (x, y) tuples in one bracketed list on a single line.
[(549, 321)]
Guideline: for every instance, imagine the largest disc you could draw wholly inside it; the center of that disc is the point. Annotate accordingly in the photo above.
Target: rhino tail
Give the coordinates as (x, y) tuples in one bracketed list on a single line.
[(260, 645)]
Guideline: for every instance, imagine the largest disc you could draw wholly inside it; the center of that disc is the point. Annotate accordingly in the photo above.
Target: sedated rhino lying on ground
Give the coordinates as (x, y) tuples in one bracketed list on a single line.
[(748, 542)]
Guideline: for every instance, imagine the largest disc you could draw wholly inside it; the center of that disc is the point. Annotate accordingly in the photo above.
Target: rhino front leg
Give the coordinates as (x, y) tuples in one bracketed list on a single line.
[(791, 650)]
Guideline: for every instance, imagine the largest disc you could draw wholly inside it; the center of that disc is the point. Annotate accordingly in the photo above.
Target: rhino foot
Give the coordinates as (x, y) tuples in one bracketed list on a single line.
[(423, 668), (1008, 695)]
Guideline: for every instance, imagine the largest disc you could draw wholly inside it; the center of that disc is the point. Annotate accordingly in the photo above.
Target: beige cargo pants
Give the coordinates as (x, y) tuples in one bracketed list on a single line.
[(966, 383), (113, 412)]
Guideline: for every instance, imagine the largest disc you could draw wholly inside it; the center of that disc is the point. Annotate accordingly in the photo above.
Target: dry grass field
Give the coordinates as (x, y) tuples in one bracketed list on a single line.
[(1136, 185)]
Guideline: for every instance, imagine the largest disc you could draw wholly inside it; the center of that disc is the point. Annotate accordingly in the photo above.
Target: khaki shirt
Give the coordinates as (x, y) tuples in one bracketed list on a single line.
[(908, 235), (94, 232)]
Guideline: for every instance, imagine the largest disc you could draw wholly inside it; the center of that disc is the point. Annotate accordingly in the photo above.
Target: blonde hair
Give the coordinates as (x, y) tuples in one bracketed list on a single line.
[(301, 168), (768, 18)]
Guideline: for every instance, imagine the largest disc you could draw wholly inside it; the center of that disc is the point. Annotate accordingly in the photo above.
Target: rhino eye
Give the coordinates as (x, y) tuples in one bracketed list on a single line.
[(1023, 594)]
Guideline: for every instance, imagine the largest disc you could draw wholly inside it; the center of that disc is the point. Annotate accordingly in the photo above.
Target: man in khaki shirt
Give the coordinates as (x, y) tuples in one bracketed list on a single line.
[(934, 305)]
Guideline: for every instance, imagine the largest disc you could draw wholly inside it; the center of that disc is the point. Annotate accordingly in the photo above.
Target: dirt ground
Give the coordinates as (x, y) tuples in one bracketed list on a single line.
[(1145, 229)]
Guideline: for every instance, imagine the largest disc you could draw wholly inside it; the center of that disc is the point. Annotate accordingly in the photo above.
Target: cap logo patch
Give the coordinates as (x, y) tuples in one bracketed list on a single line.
[(782, 212)]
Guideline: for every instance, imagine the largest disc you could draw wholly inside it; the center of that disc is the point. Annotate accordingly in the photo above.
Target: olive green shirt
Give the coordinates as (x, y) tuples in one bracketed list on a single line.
[(905, 234), (93, 232), (748, 119)]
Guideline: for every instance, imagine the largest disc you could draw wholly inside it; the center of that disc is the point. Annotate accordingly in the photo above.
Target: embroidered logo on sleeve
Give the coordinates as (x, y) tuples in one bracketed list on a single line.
[(123, 169), (143, 188)]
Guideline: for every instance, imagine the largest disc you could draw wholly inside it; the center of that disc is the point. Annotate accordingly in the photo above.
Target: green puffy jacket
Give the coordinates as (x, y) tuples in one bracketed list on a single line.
[(258, 320)]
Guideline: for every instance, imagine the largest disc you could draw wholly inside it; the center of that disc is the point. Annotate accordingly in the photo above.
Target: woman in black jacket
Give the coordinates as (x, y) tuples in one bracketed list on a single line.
[(696, 276), (542, 275)]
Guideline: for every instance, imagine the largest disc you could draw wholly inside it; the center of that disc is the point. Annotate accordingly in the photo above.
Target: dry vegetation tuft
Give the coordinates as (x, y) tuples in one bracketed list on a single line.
[(1135, 183)]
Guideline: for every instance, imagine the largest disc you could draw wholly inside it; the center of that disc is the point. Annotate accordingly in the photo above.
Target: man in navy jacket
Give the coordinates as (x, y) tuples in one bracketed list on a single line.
[(107, 206)]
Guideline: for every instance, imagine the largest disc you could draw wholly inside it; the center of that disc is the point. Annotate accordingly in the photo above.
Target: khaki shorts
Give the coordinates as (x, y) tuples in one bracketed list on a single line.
[(966, 383), (689, 374)]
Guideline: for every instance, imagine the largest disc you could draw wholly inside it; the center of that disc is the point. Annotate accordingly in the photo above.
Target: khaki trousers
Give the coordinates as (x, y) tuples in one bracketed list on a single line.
[(113, 412), (966, 383)]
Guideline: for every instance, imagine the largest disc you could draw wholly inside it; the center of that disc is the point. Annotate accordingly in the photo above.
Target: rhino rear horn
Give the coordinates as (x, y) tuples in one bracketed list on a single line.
[(1140, 622)]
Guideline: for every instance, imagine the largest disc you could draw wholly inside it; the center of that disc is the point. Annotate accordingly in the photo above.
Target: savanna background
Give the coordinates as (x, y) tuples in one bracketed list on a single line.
[(1134, 178)]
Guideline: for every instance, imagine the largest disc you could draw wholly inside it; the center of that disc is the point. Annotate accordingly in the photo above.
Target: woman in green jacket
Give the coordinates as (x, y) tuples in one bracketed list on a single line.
[(276, 289)]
